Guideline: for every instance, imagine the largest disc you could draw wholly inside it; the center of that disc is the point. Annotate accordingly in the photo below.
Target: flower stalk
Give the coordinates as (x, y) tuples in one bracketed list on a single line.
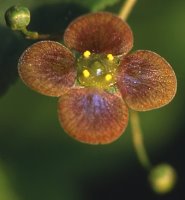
[(126, 9), (34, 35), (163, 177), (138, 140), (137, 134)]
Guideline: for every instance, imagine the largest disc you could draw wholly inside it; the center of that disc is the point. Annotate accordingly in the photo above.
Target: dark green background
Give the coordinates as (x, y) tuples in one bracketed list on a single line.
[(39, 161)]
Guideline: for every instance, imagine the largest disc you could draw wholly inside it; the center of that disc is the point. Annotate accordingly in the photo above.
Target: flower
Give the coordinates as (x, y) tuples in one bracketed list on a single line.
[(97, 88)]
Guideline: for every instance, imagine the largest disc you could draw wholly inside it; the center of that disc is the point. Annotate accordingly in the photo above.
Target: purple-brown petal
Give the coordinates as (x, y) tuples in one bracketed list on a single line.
[(93, 116), (100, 33), (146, 80), (48, 68)]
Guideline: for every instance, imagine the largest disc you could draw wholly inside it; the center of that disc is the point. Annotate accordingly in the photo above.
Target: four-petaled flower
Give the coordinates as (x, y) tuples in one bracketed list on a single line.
[(97, 88)]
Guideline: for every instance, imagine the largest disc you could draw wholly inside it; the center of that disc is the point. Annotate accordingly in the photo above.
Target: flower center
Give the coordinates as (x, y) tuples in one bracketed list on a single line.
[(97, 70)]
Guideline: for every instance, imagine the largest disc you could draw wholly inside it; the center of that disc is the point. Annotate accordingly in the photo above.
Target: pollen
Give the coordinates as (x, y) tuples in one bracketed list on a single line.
[(97, 70), (108, 77), (86, 73), (110, 57), (86, 54)]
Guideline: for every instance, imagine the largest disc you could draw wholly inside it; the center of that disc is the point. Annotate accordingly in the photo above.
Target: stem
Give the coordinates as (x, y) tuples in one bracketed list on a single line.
[(138, 140), (126, 9), (134, 118), (34, 35)]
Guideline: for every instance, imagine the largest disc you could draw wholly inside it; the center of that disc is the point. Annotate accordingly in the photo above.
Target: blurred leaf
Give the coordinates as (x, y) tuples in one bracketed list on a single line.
[(57, 16), (92, 5), (6, 191), (10, 49), (98, 5)]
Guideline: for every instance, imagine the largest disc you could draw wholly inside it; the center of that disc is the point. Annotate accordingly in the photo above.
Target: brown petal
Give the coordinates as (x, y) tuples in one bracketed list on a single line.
[(100, 33), (48, 68), (92, 115), (146, 81)]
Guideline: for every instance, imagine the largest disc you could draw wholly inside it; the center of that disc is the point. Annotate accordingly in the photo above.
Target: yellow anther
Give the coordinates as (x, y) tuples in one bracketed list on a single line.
[(110, 57), (108, 77), (86, 73), (87, 54)]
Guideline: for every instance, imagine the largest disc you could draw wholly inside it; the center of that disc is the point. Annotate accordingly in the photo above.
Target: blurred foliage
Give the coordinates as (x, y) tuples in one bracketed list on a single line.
[(45, 162), (10, 49), (6, 191), (92, 5)]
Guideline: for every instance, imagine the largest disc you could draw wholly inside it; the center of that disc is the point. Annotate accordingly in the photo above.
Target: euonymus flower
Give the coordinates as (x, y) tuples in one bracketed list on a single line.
[(98, 86)]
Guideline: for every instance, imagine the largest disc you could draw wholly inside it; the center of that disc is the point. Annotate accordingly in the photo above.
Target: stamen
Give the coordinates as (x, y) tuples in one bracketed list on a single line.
[(97, 70), (108, 77), (110, 57), (86, 73), (87, 54)]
